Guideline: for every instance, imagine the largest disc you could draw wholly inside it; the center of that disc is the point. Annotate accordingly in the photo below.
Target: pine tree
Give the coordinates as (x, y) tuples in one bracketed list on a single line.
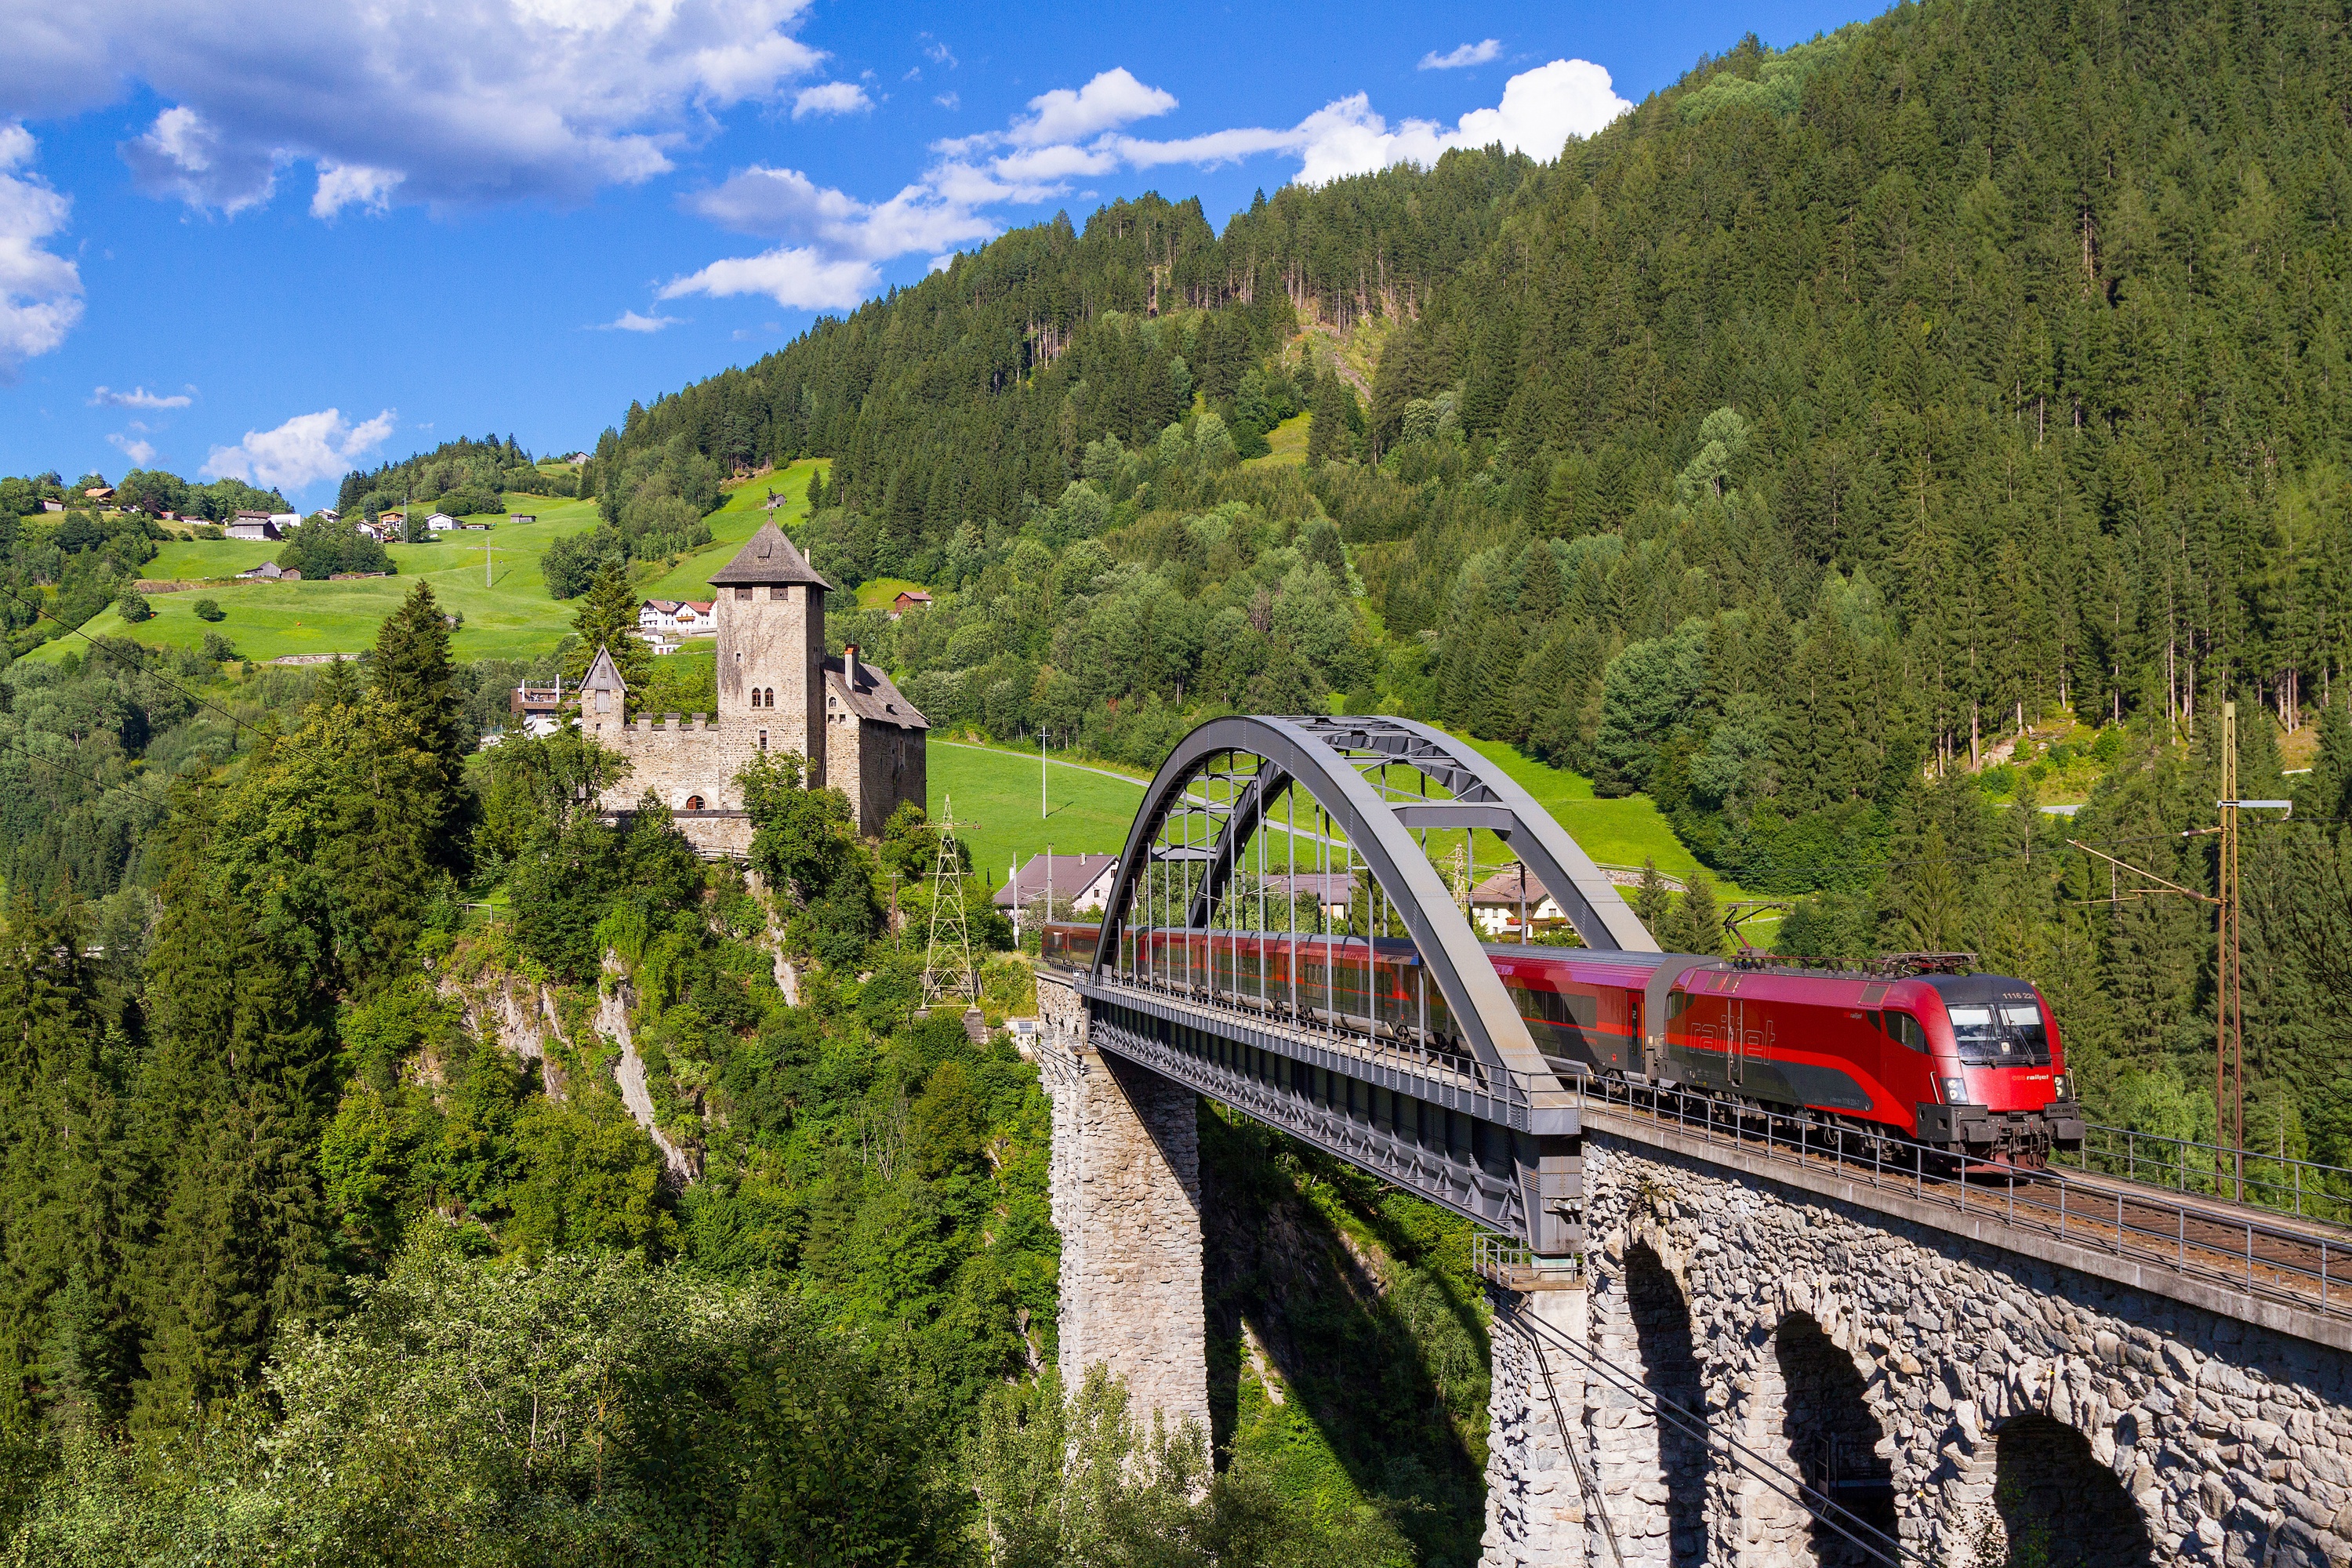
[(414, 675), (1696, 924), (1651, 902), (607, 619)]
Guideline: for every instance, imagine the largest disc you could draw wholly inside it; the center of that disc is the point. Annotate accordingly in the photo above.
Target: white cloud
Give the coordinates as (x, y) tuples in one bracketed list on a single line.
[(139, 397), (139, 452), (949, 100), (1462, 54), (831, 98), (1111, 99), (344, 185), (302, 451), (786, 204), (40, 292), (630, 322), (939, 54), (1541, 109), (797, 278), (414, 100), (184, 155)]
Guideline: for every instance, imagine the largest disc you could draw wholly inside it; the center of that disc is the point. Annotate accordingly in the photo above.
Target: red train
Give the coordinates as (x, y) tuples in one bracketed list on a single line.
[(1965, 1063)]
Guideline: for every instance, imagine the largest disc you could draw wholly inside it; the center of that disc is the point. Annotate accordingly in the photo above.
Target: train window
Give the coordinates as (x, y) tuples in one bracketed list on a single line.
[(1907, 1030), (2025, 1021), (1977, 1033), (1678, 1003), (1551, 1007), (1877, 1020)]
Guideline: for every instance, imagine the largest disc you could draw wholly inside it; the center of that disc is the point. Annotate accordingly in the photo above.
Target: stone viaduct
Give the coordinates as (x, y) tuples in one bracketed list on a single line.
[(1742, 1354)]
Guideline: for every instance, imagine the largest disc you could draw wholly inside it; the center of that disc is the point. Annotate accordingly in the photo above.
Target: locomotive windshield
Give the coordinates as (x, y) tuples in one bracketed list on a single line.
[(2000, 1034)]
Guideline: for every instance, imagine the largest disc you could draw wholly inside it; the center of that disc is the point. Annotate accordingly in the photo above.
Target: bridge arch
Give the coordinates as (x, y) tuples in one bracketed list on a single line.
[(1226, 776)]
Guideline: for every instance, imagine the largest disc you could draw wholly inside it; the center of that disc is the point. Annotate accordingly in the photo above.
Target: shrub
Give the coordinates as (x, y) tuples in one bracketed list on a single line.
[(133, 608), (209, 610)]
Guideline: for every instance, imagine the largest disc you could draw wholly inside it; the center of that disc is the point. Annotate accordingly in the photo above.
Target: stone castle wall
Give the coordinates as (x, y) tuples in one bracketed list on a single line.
[(877, 767)]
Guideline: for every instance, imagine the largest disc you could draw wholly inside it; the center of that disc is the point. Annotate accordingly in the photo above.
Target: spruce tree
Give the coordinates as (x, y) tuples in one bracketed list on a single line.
[(1696, 924), (1651, 902), (414, 675), (607, 619)]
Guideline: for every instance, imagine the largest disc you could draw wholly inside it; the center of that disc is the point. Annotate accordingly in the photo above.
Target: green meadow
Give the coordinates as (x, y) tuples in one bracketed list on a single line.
[(733, 524)]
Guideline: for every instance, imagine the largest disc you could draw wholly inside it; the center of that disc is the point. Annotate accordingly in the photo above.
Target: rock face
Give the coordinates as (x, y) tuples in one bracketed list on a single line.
[(1126, 1196), (1960, 1396)]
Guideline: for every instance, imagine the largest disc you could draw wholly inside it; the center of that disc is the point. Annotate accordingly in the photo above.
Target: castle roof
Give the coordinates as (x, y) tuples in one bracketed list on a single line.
[(603, 675), (871, 695), (769, 558)]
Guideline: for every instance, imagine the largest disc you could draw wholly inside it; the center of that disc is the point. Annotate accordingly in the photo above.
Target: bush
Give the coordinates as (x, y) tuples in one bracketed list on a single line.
[(131, 607), (210, 531), (219, 649), (209, 610)]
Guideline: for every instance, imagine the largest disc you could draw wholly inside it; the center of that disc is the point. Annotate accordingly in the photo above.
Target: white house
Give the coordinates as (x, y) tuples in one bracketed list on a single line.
[(330, 513), (655, 615), (522, 517), (440, 522), (252, 525), (694, 619), (286, 520)]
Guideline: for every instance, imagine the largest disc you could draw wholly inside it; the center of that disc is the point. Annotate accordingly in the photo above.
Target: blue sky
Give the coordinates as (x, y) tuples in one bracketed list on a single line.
[(275, 239)]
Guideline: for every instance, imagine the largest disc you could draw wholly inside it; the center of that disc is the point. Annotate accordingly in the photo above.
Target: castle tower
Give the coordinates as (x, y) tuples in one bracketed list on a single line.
[(771, 612)]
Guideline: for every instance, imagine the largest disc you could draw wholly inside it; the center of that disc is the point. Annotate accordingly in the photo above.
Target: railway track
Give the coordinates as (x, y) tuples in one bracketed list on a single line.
[(2301, 1262)]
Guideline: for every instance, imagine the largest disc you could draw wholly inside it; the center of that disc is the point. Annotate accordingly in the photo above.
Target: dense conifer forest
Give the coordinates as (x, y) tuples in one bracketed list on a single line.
[(1856, 448)]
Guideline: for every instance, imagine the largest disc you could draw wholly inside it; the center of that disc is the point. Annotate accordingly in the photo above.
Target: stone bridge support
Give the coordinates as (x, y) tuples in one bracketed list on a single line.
[(1126, 1196), (1958, 1393)]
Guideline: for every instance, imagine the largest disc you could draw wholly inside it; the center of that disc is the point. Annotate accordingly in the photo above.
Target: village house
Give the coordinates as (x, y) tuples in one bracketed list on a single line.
[(1081, 881), (268, 572), (909, 599), (520, 516), (252, 525), (440, 522)]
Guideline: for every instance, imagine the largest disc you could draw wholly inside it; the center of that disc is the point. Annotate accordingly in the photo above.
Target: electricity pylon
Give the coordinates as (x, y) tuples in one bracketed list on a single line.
[(947, 957)]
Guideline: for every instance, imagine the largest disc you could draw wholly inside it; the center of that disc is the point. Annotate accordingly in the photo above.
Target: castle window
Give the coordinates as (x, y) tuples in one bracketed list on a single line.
[(694, 802), (742, 593), (779, 595), (771, 701), (763, 740)]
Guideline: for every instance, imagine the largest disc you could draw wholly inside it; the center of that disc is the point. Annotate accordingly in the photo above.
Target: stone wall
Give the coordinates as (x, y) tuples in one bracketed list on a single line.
[(1996, 1393), (1126, 1197), (678, 758), (1538, 1512), (877, 766)]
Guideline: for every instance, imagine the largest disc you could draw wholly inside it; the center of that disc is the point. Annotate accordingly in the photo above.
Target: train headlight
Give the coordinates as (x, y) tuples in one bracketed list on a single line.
[(2058, 1087), (1955, 1091)]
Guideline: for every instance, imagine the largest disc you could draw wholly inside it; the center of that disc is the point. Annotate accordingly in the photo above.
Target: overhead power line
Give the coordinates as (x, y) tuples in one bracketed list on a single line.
[(115, 652)]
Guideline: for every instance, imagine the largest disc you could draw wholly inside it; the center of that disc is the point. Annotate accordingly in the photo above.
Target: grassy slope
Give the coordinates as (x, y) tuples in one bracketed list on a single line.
[(997, 791), (734, 523), (510, 617), (1288, 440)]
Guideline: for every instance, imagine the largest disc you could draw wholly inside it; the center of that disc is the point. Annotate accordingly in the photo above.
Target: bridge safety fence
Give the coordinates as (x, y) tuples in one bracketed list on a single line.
[(2214, 1242), (2272, 1180)]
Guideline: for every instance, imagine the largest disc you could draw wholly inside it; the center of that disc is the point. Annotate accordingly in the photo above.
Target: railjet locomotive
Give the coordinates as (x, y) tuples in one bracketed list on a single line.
[(1965, 1063)]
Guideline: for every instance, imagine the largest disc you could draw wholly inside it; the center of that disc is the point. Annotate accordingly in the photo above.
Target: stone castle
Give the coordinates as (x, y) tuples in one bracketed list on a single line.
[(778, 691)]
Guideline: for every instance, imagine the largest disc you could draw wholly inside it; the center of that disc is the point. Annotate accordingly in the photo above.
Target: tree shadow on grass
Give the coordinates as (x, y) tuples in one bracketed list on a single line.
[(1386, 1382)]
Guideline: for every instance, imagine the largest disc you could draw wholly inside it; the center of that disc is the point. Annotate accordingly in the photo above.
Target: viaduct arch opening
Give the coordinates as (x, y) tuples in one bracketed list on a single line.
[(2059, 1507), (1669, 1369), (1834, 1440)]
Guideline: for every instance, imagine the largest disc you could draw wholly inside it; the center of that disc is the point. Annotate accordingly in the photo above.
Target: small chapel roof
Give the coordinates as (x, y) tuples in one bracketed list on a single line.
[(769, 557)]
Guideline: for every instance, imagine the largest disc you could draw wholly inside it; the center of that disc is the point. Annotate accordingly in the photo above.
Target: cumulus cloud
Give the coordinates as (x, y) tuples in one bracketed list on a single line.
[(831, 98), (938, 53), (410, 101), (630, 322), (302, 451), (1111, 99), (949, 100), (184, 155), (1541, 109), (139, 397), (40, 292), (139, 451), (798, 278), (344, 185), (786, 204), (1462, 54)]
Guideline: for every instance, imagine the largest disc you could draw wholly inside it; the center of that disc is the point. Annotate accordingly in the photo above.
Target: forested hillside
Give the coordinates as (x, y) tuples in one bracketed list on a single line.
[(1847, 445)]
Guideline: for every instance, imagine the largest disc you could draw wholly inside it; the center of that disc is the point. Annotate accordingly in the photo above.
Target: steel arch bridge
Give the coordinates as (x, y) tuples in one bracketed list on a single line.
[(1471, 1114)]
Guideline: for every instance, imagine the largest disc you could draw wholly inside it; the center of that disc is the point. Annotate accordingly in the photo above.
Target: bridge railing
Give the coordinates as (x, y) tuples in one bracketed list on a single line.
[(2306, 1267), (2304, 1188), (1350, 1023)]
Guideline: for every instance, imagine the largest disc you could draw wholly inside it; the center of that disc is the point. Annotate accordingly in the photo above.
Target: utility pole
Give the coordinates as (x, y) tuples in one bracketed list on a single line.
[(1043, 811), (2228, 1004)]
